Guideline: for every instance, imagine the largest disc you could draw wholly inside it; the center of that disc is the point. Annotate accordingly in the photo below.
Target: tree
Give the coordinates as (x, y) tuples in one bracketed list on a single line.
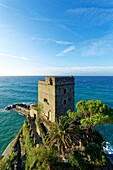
[(96, 119), (63, 134), (91, 113), (86, 108), (72, 114)]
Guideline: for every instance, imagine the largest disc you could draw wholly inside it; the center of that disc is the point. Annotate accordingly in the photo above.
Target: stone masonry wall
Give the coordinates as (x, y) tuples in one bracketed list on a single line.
[(64, 99), (46, 96), (56, 95)]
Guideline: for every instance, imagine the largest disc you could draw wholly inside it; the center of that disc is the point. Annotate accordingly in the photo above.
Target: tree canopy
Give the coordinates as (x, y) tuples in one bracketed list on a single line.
[(92, 112), (87, 108)]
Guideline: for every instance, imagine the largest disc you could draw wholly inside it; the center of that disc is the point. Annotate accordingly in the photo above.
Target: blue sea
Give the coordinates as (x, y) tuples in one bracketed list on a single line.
[(25, 89)]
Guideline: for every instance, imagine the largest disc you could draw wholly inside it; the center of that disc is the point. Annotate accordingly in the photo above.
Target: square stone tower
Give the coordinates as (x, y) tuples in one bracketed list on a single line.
[(56, 94)]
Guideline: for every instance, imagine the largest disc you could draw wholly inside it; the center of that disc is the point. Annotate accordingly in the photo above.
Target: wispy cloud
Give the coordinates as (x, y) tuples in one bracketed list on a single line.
[(100, 47), (96, 16), (5, 6), (90, 9), (13, 56), (61, 23), (66, 50), (68, 29), (52, 40), (41, 19), (63, 42), (96, 47)]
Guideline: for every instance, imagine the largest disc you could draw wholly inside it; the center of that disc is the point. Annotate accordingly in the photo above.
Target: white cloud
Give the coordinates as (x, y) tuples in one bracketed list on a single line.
[(66, 50), (62, 42), (13, 56), (86, 70)]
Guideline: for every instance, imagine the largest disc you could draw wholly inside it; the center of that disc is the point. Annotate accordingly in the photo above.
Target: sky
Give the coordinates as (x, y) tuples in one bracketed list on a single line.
[(56, 37)]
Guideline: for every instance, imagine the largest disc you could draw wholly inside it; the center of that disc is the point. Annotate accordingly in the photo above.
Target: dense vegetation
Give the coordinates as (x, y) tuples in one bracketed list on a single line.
[(7, 163), (10, 161), (92, 112), (36, 157), (71, 143), (75, 138), (63, 135)]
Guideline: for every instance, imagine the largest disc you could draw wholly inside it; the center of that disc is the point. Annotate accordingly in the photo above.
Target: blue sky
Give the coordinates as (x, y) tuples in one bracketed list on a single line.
[(49, 37)]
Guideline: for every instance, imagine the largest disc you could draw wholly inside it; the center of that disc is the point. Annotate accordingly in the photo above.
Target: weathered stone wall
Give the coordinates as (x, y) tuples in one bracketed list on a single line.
[(46, 96), (64, 99), (56, 95), (33, 112)]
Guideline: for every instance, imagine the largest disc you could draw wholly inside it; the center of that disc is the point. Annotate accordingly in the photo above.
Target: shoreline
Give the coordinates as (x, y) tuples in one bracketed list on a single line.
[(22, 112), (8, 148)]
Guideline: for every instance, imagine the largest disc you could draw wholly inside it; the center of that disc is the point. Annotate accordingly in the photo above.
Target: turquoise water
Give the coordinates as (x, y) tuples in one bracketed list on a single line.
[(24, 89), (14, 90)]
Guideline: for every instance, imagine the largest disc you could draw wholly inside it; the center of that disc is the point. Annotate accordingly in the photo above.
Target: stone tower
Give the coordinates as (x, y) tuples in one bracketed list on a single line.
[(56, 94)]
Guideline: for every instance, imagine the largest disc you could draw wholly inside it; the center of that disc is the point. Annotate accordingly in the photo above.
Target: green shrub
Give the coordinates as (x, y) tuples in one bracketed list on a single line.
[(76, 160), (7, 163)]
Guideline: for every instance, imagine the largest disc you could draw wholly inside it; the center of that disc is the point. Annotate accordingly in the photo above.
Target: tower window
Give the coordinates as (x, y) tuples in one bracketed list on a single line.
[(51, 81), (49, 115), (64, 91), (64, 102), (45, 100)]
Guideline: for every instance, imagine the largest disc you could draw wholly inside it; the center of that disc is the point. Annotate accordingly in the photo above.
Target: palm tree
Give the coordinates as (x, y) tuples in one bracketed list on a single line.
[(63, 135)]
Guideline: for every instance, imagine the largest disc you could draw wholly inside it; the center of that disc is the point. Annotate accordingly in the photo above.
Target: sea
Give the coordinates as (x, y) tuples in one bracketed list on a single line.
[(25, 89)]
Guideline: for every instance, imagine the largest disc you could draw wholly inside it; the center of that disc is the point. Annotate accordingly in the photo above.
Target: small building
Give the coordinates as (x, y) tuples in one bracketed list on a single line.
[(33, 110), (56, 94)]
